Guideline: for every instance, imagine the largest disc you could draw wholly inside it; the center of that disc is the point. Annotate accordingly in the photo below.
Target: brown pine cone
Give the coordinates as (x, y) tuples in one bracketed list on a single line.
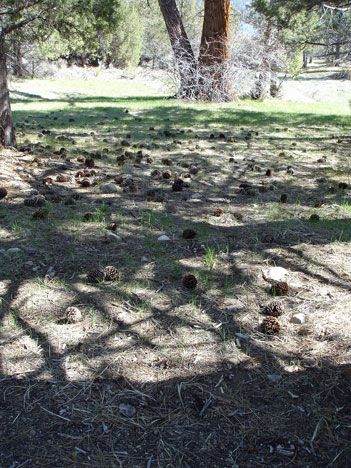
[(96, 276), (189, 234), (3, 193), (218, 212), (61, 178), (111, 273), (270, 326), (73, 314), (278, 288), (273, 309), (189, 281)]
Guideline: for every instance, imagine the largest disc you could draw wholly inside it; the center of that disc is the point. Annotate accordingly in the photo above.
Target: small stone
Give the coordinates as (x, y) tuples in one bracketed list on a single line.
[(109, 188), (299, 318), (274, 377), (163, 238), (126, 410), (112, 236), (277, 273)]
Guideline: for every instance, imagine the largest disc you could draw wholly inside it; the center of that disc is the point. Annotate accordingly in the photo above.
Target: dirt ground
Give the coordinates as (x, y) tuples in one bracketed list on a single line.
[(157, 374)]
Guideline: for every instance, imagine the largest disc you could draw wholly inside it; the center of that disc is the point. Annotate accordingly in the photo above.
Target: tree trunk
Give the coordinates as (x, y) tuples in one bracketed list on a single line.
[(214, 51), (181, 46), (337, 55), (7, 132), (17, 59), (305, 59)]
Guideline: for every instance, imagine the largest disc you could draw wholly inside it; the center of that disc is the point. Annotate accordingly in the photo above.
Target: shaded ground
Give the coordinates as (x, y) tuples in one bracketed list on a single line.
[(156, 375)]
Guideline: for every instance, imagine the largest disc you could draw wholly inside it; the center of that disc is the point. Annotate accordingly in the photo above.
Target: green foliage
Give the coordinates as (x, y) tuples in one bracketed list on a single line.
[(295, 64), (74, 23), (124, 44)]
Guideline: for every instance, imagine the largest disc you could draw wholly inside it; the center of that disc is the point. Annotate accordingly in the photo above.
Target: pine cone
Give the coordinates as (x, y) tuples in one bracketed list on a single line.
[(189, 281), (273, 309), (3, 193), (270, 326), (218, 212), (96, 276), (111, 273), (278, 288), (73, 315), (189, 234), (61, 178)]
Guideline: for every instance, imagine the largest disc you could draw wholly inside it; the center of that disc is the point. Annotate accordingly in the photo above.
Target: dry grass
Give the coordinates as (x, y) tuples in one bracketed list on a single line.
[(157, 375)]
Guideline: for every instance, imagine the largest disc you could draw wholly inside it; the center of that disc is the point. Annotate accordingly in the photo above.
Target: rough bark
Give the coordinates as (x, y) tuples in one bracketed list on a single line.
[(181, 46), (214, 48), (7, 132)]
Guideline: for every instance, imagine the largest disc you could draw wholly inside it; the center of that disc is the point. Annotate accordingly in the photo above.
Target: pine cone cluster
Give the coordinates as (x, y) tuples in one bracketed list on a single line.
[(270, 326), (273, 309), (73, 314), (98, 275)]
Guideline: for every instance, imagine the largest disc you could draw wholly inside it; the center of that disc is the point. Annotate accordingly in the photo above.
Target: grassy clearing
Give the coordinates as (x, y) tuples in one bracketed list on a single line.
[(157, 374)]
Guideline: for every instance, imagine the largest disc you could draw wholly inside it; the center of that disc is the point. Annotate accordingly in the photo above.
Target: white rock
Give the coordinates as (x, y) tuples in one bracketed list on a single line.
[(14, 250), (144, 259), (298, 318), (111, 236), (163, 238), (277, 273), (109, 188)]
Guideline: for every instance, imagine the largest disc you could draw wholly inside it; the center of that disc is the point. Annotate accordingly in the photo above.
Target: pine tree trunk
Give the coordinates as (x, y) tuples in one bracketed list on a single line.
[(181, 46), (337, 55), (7, 132), (214, 51)]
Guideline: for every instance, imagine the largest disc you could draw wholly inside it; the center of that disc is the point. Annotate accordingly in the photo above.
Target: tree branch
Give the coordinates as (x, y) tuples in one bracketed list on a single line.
[(24, 22)]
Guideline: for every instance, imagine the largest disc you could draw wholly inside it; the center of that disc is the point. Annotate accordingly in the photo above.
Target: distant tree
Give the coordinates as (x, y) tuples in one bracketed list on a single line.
[(69, 18)]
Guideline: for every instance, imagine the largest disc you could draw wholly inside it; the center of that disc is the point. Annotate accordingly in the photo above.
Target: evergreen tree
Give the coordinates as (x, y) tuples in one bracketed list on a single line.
[(83, 19)]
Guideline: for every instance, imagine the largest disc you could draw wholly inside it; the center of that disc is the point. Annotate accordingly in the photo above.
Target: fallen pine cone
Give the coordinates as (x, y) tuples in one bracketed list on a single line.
[(270, 326), (73, 314), (111, 273), (273, 309), (96, 276), (218, 212), (189, 281), (278, 288), (3, 192), (189, 234)]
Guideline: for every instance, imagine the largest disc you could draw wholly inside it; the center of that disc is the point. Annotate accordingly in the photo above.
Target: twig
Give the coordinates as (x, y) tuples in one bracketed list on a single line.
[(54, 414)]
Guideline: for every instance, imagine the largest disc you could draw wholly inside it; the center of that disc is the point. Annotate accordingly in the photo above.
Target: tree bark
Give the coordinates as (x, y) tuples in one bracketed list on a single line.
[(7, 132), (183, 53), (214, 49), (337, 54)]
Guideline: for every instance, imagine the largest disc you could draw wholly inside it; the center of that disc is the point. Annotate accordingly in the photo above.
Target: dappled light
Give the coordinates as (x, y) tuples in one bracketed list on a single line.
[(160, 371)]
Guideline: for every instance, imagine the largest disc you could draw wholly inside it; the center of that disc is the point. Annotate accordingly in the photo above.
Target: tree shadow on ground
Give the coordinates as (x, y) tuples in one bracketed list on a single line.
[(157, 375)]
